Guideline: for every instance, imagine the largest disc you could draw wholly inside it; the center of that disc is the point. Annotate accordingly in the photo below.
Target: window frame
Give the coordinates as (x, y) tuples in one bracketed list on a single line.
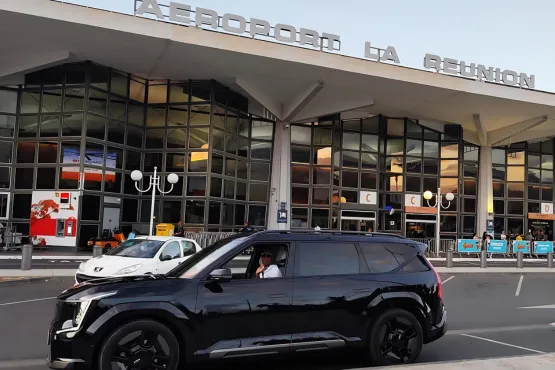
[(167, 245)]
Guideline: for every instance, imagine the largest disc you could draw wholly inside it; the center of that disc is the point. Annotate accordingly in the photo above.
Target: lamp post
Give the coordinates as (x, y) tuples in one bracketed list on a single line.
[(154, 183), (428, 195)]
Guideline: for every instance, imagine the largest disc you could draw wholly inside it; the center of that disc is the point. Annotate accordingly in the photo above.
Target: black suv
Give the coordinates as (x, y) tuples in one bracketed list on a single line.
[(317, 291)]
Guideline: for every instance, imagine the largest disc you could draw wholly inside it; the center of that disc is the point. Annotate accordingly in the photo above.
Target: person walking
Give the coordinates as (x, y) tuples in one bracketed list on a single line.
[(180, 231), (247, 228)]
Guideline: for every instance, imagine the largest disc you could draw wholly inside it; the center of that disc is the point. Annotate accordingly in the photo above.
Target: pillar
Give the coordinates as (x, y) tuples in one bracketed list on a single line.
[(484, 211), (280, 185)]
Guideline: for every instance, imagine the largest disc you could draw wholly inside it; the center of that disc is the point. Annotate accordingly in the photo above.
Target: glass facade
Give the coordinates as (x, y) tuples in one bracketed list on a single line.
[(85, 121), (335, 162)]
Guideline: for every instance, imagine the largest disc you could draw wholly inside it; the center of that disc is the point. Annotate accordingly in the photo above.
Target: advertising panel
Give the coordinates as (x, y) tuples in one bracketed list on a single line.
[(468, 246), (521, 246), (497, 246), (72, 155), (543, 247)]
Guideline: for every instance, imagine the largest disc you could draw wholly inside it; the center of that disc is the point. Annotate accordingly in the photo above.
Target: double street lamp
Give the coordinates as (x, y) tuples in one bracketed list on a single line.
[(428, 195), (154, 183)]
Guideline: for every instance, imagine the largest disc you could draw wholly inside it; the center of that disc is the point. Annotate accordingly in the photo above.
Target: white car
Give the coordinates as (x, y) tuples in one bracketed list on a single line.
[(138, 256)]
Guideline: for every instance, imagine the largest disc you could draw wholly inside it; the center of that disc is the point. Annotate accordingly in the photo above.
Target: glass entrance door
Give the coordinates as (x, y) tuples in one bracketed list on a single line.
[(420, 230), (348, 224)]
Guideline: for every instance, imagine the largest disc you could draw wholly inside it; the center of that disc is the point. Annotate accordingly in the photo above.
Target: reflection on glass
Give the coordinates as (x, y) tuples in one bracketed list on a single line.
[(534, 176), (547, 177), (431, 149), (515, 157), (414, 148), (449, 168), (395, 147), (448, 185), (394, 164), (449, 150), (51, 101), (200, 115), (515, 173), (515, 190), (395, 127), (547, 162), (534, 161), (368, 180), (547, 193), (157, 94), (370, 143), (394, 183), (194, 212), (322, 136), (498, 156), (351, 141), (369, 161), (178, 115), (470, 187), (414, 165), (196, 186), (260, 130), (321, 176), (498, 189), (322, 156), (198, 162), (199, 137), (350, 159), (470, 170)]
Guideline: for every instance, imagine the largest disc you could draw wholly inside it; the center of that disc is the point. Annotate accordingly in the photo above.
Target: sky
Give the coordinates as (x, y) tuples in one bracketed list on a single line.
[(506, 34)]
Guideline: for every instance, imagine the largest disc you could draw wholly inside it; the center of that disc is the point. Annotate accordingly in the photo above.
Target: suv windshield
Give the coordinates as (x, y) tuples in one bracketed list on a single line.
[(137, 248), (191, 268)]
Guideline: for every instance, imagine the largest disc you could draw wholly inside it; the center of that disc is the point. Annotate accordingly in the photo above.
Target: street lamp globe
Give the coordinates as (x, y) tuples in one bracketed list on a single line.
[(136, 175), (173, 178), (428, 195), (449, 196)]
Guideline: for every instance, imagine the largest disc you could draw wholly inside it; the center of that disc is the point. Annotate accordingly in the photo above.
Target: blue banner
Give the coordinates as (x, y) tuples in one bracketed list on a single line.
[(543, 247), (468, 246), (497, 246), (521, 246)]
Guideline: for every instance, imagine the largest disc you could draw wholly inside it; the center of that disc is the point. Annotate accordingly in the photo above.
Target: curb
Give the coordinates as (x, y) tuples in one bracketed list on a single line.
[(24, 280)]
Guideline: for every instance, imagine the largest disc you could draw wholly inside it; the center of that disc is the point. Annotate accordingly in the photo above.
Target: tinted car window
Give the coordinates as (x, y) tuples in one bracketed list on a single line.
[(328, 259), (173, 250), (188, 248), (416, 265), (386, 257), (137, 248)]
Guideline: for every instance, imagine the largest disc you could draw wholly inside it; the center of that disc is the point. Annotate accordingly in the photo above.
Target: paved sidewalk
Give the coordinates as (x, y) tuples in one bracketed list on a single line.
[(542, 362)]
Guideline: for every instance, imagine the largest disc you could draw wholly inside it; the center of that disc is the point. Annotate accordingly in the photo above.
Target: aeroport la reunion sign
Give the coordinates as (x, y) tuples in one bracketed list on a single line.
[(236, 24)]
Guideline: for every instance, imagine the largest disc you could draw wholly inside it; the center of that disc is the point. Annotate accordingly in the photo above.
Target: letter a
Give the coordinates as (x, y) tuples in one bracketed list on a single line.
[(150, 7)]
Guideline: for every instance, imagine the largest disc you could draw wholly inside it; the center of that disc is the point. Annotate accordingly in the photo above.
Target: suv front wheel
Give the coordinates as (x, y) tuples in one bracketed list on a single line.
[(395, 338), (142, 344)]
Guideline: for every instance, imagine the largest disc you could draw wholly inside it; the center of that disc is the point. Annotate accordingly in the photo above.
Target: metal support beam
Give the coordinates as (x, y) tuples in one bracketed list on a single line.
[(497, 136), (273, 106), (481, 130), (296, 105)]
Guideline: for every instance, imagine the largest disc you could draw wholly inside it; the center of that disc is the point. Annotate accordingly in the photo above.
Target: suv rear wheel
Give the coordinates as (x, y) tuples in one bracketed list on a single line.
[(396, 337), (143, 344)]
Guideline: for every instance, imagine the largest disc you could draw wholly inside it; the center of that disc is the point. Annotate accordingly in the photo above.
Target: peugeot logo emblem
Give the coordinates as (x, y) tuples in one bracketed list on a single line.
[(97, 269)]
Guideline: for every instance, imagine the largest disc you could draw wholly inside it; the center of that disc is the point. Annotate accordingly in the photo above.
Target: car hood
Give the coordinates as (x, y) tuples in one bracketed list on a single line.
[(108, 265)]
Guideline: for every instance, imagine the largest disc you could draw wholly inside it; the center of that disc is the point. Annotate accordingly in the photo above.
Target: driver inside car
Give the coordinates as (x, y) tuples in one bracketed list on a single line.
[(268, 269)]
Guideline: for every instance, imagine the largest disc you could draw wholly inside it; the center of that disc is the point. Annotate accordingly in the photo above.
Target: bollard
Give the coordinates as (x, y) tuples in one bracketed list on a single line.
[(97, 251), (26, 256), (519, 260), (550, 260), (483, 259), (450, 258)]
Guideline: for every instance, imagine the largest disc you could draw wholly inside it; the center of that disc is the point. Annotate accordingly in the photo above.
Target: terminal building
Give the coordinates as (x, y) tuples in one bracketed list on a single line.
[(261, 128)]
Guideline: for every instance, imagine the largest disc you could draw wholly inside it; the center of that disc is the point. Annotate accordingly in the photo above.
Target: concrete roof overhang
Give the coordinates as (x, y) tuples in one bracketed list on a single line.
[(293, 83)]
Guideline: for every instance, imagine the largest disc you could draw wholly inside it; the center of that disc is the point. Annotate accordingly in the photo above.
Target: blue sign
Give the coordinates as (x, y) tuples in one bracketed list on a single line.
[(468, 246), (543, 247), (497, 246), (521, 246)]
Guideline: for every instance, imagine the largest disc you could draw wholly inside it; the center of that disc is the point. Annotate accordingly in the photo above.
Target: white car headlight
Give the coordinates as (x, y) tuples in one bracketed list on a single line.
[(81, 267), (83, 304), (129, 269)]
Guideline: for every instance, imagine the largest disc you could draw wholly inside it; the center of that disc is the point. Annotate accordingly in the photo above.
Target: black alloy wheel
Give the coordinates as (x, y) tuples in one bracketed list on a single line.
[(107, 248), (140, 345), (396, 338)]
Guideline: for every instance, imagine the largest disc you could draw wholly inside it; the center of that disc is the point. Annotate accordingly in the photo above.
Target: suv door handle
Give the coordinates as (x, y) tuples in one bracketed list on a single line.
[(361, 290), (283, 295)]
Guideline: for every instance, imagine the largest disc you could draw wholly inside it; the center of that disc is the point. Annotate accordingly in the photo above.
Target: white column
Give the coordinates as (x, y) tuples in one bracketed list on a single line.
[(485, 190), (280, 185)]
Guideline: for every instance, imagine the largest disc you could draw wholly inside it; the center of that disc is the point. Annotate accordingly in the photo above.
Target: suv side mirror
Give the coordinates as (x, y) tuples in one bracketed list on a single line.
[(165, 257), (221, 275)]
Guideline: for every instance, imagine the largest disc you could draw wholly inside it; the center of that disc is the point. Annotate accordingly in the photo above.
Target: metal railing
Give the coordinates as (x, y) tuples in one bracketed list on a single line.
[(204, 239), (444, 245)]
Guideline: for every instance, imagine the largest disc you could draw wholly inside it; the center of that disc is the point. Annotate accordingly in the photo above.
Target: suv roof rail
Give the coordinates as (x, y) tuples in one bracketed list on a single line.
[(333, 232)]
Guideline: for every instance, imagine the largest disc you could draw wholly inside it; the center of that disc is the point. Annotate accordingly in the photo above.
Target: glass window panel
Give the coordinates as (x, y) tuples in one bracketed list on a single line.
[(395, 147), (129, 185), (430, 183), (198, 161), (301, 135), (471, 153), (498, 156), (515, 156), (369, 161), (231, 142), (257, 215), (134, 136), (216, 187), (116, 132), (177, 187), (322, 156), (219, 117), (214, 212), (261, 150), (351, 141), (350, 179), (145, 210), (100, 77), (68, 178), (395, 201), (394, 164), (74, 99), (231, 122), (176, 138), (194, 212), (370, 143), (7, 126), (48, 152), (137, 91), (534, 207), (547, 146), (547, 193), (199, 137), (227, 213), (449, 185), (196, 186), (534, 161), (217, 164), (321, 176), (8, 101), (394, 183), (133, 160), (218, 139), (96, 127), (118, 84), (515, 190), (299, 218), (498, 189), (71, 152), (499, 173), (351, 159), (112, 182), (240, 212), (179, 93), (155, 138), (50, 126), (243, 147), (300, 154), (157, 94), (395, 127), (201, 91), (242, 169), (93, 179), (449, 150), (25, 152), (349, 196), (414, 165), (258, 193), (90, 208), (371, 125), (98, 102), (448, 223), (200, 115), (300, 174), (72, 124), (171, 211), (515, 207), (449, 168), (469, 205), (470, 170), (534, 176), (28, 126), (231, 167), (414, 130), (322, 136), (469, 224), (178, 115), (5, 177), (6, 152), (321, 196), (24, 178), (299, 195), (352, 124), (156, 117), (413, 184), (241, 191), (261, 130), (51, 101), (152, 160), (515, 173), (320, 218), (470, 187), (229, 190), (547, 177), (136, 114), (175, 162), (261, 171), (431, 149), (30, 102), (414, 148), (368, 180), (547, 162)]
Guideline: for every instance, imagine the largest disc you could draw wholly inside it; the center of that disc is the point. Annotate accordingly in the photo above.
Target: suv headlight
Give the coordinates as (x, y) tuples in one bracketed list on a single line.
[(82, 305), (129, 269), (81, 267)]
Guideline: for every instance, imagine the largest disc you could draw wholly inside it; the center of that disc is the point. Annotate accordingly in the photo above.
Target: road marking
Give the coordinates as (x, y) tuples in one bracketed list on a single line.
[(27, 301), (501, 329), (502, 343), (519, 286), (544, 306), (449, 278), (21, 363)]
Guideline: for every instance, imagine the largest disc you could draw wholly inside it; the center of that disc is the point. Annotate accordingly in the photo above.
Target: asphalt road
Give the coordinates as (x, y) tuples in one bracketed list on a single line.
[(485, 320)]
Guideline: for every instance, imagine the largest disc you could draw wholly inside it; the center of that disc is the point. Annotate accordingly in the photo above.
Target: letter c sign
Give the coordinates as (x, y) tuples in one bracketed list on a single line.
[(546, 208), (412, 200)]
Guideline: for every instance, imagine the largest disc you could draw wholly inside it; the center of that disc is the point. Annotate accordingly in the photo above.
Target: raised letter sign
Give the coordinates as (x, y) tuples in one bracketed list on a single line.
[(308, 37), (206, 16), (150, 7), (331, 40), (432, 61), (368, 52), (390, 54), (226, 23), (285, 33), (180, 13), (450, 66), (259, 27)]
